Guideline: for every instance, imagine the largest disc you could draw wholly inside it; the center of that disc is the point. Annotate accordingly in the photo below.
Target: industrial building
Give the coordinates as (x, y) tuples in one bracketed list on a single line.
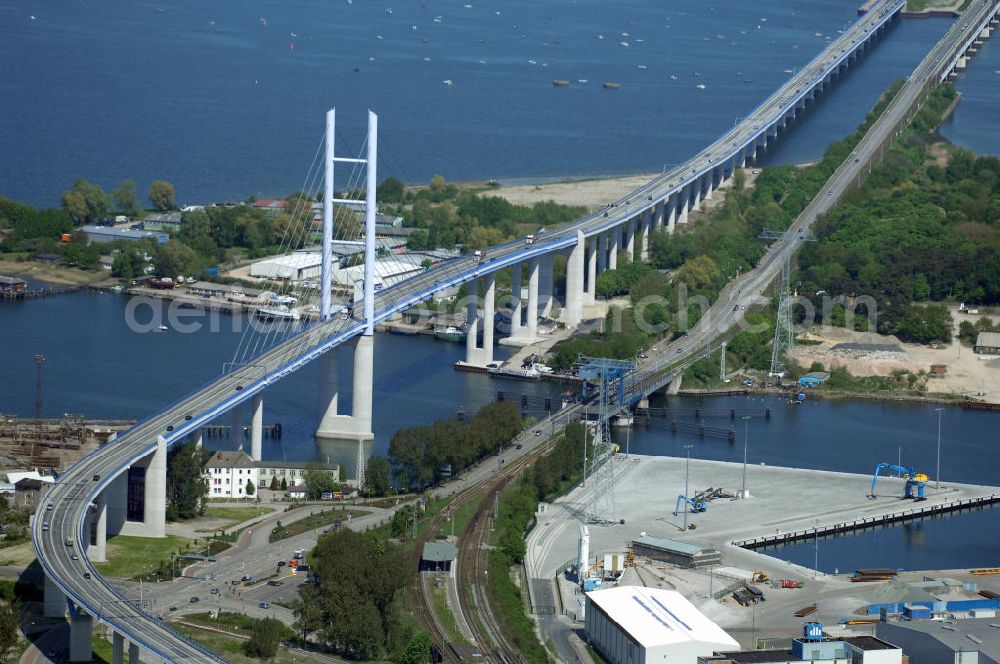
[(816, 647), (636, 625), (988, 343), (677, 553), (223, 291), (163, 221), (974, 640), (105, 234), (297, 266)]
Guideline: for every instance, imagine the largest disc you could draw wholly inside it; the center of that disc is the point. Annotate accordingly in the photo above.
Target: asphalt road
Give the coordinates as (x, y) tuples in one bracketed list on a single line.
[(76, 488)]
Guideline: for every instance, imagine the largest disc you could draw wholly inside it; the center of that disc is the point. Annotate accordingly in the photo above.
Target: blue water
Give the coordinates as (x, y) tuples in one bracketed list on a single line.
[(975, 124), (117, 89)]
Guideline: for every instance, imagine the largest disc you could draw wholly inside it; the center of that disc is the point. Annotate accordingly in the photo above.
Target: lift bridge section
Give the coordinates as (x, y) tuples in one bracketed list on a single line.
[(605, 389)]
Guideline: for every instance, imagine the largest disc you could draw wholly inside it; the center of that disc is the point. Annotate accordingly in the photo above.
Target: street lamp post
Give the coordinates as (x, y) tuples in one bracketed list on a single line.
[(937, 472), (687, 474), (746, 443)]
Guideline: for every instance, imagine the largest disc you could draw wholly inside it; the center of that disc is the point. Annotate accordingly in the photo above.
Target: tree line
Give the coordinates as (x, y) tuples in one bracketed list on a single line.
[(426, 455)]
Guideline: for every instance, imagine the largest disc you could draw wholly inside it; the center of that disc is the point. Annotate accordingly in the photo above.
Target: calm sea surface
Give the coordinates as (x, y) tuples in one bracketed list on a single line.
[(226, 99)]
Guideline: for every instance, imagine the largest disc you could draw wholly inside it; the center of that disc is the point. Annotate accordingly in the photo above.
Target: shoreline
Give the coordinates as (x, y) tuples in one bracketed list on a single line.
[(932, 398)]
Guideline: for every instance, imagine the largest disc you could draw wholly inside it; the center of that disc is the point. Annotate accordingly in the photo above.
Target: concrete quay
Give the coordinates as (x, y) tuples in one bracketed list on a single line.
[(782, 501)]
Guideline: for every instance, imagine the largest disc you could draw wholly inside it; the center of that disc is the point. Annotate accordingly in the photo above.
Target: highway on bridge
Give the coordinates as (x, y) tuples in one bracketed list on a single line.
[(78, 487)]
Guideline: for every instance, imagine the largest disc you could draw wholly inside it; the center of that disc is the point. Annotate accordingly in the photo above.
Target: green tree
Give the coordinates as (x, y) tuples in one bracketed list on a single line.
[(175, 258), (390, 191), (9, 633), (377, 476), (274, 483), (250, 488), (437, 183), (284, 484), (418, 650), (318, 480), (161, 195), (86, 203), (127, 197), (265, 635), (187, 486)]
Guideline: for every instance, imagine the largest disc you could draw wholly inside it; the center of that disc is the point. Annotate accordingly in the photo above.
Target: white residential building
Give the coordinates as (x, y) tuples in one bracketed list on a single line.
[(228, 474)]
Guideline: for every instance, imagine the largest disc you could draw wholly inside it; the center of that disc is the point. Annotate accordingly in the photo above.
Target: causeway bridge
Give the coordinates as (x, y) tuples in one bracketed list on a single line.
[(120, 488)]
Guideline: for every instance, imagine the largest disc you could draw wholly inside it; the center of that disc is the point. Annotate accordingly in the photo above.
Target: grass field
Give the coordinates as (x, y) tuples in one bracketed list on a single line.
[(317, 520), (131, 556), (231, 647), (234, 514), (445, 615)]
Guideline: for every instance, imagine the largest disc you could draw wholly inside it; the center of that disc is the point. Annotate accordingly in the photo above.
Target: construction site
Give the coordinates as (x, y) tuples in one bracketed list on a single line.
[(51, 443)]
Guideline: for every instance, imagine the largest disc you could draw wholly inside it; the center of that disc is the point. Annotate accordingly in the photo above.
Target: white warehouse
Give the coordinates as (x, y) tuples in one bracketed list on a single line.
[(297, 266), (636, 625)]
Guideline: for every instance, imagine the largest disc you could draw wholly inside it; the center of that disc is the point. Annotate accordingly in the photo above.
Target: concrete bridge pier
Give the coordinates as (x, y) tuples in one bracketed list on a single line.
[(602, 252), (256, 426), (98, 519), (573, 313), (696, 191), (532, 313), (674, 386), (671, 212), (474, 354), (630, 239), (117, 648), (150, 475), (709, 184), (516, 311), (590, 291), (645, 223), (614, 237), (659, 219), (357, 426), (682, 205), (545, 286), (81, 643)]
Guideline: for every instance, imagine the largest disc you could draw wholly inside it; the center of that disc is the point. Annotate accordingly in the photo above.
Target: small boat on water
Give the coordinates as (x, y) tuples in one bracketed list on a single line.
[(560, 83), (520, 374), (700, 86), (450, 333), (611, 85), (447, 81), (163, 328)]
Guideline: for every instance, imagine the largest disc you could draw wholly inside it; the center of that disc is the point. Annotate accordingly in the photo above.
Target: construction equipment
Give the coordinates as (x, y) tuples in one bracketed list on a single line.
[(983, 572), (789, 583), (914, 481), (870, 575), (759, 577), (695, 505)]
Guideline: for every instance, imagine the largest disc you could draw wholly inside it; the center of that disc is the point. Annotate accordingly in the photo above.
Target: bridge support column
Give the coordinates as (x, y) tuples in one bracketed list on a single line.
[(81, 642), (659, 216), (683, 204), (489, 313), (672, 207), (614, 237), (545, 286), (256, 426), (709, 184), (675, 385), (645, 221), (54, 603), (574, 282), (696, 192), (533, 270), (516, 327), (155, 499), (97, 552), (630, 239), (133, 653), (357, 425), (602, 252), (590, 294), (117, 648)]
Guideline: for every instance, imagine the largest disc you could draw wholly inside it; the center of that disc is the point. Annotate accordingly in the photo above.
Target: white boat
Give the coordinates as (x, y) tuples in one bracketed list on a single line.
[(641, 66), (624, 43), (163, 328), (521, 374), (447, 81), (700, 86), (279, 312)]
